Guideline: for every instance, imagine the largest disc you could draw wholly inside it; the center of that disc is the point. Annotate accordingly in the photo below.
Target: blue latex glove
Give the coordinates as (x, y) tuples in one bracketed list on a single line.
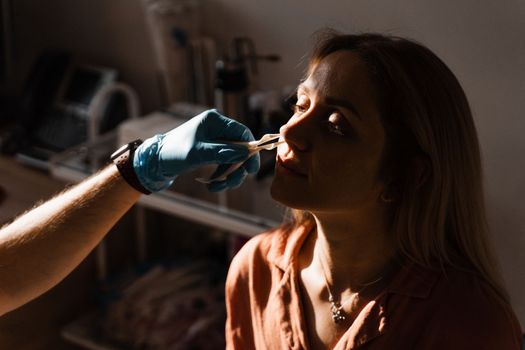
[(197, 142)]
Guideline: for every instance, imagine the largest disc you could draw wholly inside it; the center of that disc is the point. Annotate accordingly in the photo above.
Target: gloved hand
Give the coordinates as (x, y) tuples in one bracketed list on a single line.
[(197, 142)]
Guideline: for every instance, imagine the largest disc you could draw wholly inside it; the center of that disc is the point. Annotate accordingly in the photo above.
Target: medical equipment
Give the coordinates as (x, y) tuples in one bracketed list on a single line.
[(237, 78), (66, 103), (267, 142)]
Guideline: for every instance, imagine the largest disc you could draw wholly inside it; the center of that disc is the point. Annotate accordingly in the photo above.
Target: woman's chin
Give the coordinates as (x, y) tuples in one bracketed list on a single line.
[(288, 196)]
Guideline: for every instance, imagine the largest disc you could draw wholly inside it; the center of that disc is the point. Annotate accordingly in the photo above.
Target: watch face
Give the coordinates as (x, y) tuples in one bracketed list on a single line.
[(120, 151), (132, 145)]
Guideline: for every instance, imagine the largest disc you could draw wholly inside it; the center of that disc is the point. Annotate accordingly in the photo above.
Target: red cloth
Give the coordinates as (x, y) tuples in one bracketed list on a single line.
[(420, 309)]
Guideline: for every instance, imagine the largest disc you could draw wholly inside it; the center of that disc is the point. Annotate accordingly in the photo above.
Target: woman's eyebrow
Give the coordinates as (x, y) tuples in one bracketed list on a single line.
[(334, 101), (340, 102)]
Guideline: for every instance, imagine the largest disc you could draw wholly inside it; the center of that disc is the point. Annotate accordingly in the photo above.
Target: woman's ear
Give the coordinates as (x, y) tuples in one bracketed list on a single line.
[(390, 192), (418, 173)]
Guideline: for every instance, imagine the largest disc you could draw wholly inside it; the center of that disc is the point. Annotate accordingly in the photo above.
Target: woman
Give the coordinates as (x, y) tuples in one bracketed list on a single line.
[(387, 248)]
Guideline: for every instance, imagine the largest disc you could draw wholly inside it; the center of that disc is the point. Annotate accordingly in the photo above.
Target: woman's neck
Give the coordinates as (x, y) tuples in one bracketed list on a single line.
[(352, 253)]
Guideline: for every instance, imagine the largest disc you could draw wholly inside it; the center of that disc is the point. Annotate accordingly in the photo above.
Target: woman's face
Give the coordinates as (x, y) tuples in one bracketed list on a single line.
[(334, 141)]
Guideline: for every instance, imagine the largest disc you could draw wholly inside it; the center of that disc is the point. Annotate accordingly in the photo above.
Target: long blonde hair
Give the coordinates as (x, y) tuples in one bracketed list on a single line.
[(441, 221)]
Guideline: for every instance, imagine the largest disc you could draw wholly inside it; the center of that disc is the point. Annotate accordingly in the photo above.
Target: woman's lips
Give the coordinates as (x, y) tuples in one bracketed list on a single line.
[(290, 167)]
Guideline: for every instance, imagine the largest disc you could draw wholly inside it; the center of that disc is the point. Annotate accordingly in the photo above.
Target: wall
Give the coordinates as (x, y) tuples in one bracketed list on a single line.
[(481, 40)]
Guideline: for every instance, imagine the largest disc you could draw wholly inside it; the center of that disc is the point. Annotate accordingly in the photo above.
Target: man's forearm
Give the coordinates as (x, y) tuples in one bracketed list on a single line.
[(42, 246)]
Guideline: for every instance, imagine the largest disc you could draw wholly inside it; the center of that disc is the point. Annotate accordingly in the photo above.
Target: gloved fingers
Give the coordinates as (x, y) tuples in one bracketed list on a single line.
[(199, 141), (233, 180), (236, 178), (230, 153), (220, 153), (219, 127), (217, 186), (252, 164), (221, 169)]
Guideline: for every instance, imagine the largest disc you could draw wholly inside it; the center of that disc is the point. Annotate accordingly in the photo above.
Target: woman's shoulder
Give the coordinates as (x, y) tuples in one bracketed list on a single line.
[(274, 247), (259, 245), (469, 288), (468, 303)]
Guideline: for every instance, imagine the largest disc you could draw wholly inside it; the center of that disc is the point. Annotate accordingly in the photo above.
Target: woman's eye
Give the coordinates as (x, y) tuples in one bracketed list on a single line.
[(337, 124), (299, 108), (336, 129)]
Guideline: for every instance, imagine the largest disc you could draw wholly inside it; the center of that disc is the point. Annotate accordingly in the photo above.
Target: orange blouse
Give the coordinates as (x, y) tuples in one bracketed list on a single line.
[(420, 309)]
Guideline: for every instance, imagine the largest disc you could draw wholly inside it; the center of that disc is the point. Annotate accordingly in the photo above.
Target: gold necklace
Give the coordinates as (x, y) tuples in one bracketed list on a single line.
[(336, 307)]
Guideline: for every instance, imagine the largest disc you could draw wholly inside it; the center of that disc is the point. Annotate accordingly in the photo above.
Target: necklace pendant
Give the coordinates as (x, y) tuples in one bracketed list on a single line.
[(337, 316), (337, 313)]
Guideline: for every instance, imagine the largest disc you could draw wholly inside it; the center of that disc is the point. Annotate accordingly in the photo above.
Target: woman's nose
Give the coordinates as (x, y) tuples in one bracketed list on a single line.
[(295, 133)]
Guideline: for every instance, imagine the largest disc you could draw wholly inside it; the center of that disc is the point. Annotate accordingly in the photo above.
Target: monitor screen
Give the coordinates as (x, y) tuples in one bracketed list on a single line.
[(82, 86)]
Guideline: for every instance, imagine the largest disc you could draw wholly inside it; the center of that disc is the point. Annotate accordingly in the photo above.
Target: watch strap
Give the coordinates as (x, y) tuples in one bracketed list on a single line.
[(124, 163)]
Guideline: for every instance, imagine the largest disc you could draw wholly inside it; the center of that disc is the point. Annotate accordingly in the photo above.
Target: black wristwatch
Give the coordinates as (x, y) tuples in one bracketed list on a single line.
[(123, 159)]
